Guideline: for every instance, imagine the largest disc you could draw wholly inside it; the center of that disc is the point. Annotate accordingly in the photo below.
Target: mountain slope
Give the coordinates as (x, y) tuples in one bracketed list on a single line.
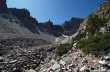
[(94, 37), (71, 26), (8, 26), (26, 20)]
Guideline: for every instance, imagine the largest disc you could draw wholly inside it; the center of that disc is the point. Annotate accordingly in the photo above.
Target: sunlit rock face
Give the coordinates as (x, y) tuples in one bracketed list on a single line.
[(3, 5)]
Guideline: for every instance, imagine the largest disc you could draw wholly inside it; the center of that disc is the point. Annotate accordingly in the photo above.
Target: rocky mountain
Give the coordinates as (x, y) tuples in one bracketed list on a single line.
[(71, 26), (29, 46), (67, 28), (49, 28), (20, 42), (22, 18), (3, 5), (26, 20), (95, 29), (91, 48), (17, 21)]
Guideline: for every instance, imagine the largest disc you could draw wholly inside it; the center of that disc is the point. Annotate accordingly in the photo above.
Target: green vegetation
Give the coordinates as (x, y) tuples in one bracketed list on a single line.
[(63, 48), (79, 36), (94, 23), (95, 45)]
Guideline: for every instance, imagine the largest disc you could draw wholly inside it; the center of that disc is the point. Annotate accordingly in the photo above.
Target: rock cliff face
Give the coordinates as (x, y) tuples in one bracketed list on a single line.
[(49, 28), (26, 20), (46, 27), (71, 26), (19, 19), (3, 5)]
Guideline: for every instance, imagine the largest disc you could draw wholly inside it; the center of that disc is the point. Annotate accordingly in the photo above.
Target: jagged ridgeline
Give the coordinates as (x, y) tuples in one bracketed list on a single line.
[(25, 43), (20, 21), (16, 20), (94, 37)]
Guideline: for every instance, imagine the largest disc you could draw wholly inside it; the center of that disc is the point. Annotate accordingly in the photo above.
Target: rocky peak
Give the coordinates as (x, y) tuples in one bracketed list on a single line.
[(72, 25), (19, 17), (3, 5), (25, 18), (67, 28), (49, 24), (46, 27), (20, 12)]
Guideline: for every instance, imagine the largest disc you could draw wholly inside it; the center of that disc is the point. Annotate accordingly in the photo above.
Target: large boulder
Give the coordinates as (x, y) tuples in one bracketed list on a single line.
[(31, 70), (84, 69)]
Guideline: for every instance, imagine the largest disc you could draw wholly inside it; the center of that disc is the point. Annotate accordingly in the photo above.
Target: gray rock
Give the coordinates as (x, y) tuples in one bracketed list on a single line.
[(31, 70), (1, 59)]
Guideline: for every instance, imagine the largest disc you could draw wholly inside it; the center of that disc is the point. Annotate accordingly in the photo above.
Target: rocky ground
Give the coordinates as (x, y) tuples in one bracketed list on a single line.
[(75, 61), (36, 55), (19, 54)]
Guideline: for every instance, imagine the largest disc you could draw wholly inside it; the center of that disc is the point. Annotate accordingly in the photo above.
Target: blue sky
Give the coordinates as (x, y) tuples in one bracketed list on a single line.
[(57, 10)]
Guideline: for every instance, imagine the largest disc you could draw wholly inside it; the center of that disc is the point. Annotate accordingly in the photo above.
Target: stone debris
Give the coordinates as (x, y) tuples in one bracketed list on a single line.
[(25, 55), (74, 61), (84, 68), (103, 62), (18, 55), (56, 66), (31, 70), (107, 57), (62, 62)]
